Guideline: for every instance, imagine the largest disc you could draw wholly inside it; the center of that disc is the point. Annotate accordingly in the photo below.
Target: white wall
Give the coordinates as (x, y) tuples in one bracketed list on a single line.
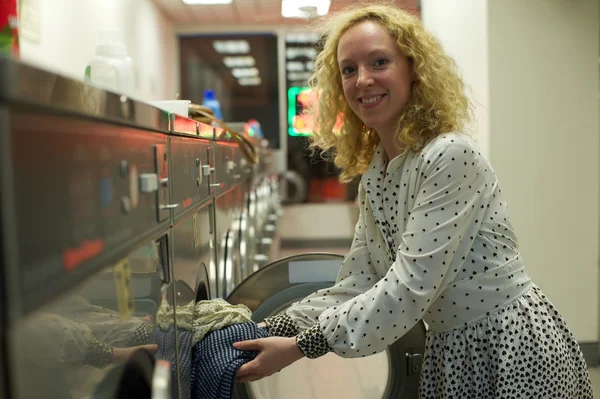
[(461, 26), (545, 144), (68, 35)]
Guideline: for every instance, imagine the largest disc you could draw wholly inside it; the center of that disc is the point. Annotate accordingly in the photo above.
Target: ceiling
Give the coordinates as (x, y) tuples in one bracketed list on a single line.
[(244, 12)]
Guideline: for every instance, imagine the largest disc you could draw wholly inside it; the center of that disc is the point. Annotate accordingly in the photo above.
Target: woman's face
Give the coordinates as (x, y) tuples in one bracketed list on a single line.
[(376, 76)]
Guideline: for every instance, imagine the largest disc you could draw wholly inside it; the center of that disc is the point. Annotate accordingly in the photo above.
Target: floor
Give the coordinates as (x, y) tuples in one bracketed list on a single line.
[(595, 376), (330, 376)]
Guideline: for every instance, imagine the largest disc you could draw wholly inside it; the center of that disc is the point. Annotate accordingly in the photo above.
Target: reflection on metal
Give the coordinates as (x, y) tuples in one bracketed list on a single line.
[(25, 85), (296, 188), (393, 374), (90, 178), (72, 343)]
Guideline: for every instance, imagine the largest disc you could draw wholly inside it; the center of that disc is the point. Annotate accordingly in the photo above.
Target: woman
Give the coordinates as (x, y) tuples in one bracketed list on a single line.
[(433, 240)]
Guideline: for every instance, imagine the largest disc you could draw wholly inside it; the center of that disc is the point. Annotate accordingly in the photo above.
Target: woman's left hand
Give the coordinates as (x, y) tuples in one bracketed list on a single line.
[(275, 353)]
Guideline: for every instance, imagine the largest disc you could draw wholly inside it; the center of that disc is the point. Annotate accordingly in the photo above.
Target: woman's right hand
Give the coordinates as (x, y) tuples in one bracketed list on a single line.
[(263, 324)]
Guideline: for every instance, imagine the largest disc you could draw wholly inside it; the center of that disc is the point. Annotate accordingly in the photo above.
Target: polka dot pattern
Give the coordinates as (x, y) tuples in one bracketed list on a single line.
[(281, 325), (433, 242), (313, 343), (98, 354), (524, 350)]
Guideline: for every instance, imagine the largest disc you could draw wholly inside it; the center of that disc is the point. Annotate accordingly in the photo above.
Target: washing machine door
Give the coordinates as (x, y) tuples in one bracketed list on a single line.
[(245, 239), (391, 374), (140, 377), (229, 263)]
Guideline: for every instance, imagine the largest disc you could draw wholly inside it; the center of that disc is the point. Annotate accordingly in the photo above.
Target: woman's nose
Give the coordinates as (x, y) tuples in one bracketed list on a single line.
[(364, 79)]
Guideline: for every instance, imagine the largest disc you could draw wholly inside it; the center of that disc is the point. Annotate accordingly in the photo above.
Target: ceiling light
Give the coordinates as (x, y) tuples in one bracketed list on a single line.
[(250, 81), (244, 72), (308, 52), (302, 37), (295, 66), (299, 75), (304, 8), (231, 46), (194, 2), (237, 62)]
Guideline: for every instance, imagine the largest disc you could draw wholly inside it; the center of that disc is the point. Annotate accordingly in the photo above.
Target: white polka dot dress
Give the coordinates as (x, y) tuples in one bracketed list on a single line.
[(434, 243)]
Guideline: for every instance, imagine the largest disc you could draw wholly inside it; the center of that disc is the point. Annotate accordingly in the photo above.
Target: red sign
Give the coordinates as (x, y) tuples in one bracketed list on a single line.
[(9, 27)]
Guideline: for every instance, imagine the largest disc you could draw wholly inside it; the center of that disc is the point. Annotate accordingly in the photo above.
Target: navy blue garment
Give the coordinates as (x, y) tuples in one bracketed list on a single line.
[(215, 361), (166, 351)]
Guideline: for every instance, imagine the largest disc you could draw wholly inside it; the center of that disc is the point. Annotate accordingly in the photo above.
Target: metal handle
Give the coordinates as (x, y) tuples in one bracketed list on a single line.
[(216, 185), (170, 206), (207, 170), (414, 362)]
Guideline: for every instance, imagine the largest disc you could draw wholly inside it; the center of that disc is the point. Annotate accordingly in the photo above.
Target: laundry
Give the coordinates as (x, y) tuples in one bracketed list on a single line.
[(216, 314), (215, 361)]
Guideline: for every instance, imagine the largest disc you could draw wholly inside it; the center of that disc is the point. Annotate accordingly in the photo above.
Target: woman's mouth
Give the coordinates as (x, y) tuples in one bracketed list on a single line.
[(371, 101)]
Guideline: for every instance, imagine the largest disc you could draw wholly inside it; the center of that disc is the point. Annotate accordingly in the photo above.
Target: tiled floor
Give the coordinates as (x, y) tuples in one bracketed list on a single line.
[(595, 377)]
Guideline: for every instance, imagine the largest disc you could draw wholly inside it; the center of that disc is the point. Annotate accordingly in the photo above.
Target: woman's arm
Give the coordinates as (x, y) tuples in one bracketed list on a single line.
[(450, 205), (356, 276)]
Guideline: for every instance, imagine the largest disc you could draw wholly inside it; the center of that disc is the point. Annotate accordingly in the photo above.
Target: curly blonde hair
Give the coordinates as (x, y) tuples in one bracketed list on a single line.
[(438, 102)]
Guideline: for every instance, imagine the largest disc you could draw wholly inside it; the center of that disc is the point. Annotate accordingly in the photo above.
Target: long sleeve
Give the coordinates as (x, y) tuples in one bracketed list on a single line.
[(449, 206), (356, 276)]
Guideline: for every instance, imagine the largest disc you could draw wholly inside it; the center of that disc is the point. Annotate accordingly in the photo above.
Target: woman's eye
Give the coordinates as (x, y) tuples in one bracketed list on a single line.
[(381, 62), (347, 70)]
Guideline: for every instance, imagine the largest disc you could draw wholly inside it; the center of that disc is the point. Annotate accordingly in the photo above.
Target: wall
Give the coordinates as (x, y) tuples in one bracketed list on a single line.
[(462, 29), (545, 144), (68, 35)]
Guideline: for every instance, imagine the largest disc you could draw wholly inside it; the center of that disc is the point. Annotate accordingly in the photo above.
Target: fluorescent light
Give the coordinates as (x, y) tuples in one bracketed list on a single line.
[(194, 2), (237, 62), (250, 81), (298, 8), (295, 66), (302, 37), (244, 72), (231, 46), (308, 52), (299, 75)]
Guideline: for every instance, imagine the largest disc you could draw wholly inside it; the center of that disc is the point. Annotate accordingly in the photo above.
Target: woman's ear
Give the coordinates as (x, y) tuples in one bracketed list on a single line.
[(411, 65)]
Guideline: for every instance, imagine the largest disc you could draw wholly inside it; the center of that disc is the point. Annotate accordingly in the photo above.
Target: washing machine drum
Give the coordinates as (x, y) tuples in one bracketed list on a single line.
[(391, 374)]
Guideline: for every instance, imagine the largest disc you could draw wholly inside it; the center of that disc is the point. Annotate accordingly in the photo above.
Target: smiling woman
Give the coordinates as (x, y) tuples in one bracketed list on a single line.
[(433, 242), (394, 49)]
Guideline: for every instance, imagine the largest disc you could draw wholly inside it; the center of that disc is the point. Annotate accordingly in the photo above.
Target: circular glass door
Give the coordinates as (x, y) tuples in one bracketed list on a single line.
[(390, 374)]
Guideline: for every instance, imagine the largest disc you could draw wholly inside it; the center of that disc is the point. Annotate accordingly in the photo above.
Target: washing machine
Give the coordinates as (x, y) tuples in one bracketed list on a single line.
[(96, 339), (193, 268), (391, 374)]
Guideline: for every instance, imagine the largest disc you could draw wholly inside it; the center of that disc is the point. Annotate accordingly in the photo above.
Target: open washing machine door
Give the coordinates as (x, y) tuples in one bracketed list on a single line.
[(391, 374)]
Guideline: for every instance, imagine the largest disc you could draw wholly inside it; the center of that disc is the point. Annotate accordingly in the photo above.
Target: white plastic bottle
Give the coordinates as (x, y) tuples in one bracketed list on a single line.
[(111, 68)]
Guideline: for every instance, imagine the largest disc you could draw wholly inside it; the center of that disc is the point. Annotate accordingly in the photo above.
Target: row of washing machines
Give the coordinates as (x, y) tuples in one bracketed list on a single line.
[(118, 219)]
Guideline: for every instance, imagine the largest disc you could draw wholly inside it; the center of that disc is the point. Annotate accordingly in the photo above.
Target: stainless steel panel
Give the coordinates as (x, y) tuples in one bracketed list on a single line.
[(189, 180), (193, 260), (22, 84), (224, 159), (71, 347), (83, 180), (183, 125), (161, 159), (392, 374), (223, 221)]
